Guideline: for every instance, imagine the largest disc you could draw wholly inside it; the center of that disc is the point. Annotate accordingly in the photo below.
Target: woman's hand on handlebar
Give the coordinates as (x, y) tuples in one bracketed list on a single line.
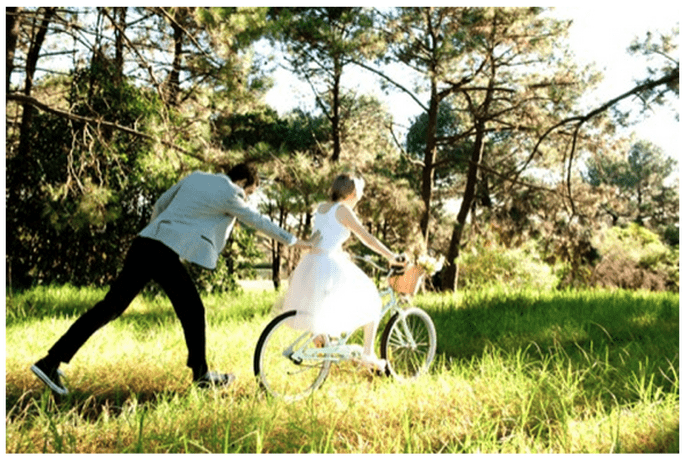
[(399, 261)]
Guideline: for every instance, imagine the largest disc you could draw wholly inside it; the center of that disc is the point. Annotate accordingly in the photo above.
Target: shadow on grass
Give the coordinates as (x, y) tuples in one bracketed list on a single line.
[(106, 401), (90, 406), (623, 336)]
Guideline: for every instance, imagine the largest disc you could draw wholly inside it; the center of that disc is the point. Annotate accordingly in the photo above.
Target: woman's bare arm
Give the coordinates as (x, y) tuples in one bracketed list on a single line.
[(350, 220)]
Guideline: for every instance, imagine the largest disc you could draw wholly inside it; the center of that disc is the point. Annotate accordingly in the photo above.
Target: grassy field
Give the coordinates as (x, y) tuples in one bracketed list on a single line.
[(579, 372)]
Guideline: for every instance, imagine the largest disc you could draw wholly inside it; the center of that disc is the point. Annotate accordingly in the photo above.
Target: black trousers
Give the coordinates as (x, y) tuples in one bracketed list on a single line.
[(147, 260)]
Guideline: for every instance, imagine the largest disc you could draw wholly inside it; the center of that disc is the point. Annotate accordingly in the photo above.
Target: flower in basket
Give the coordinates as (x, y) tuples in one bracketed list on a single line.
[(429, 264)]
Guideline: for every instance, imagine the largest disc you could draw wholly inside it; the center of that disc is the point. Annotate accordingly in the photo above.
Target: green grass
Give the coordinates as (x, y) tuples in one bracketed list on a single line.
[(577, 372)]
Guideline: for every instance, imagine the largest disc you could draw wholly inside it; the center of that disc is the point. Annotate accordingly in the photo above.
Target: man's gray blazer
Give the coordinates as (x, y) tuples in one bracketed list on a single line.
[(195, 217)]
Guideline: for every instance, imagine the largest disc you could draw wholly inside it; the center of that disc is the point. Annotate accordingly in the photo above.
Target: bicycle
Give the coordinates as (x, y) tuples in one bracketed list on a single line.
[(291, 364)]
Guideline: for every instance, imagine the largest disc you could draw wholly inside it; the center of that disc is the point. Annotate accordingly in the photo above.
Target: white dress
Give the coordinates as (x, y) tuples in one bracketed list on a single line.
[(330, 293)]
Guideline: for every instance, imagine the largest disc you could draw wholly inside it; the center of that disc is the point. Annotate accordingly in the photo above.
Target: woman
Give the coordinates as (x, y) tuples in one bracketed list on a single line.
[(330, 294)]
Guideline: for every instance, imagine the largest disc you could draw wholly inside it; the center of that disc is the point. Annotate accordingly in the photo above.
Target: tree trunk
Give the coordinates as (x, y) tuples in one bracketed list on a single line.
[(173, 85), (11, 34), (449, 275), (429, 162), (120, 18), (31, 62), (277, 253), (276, 264), (335, 117)]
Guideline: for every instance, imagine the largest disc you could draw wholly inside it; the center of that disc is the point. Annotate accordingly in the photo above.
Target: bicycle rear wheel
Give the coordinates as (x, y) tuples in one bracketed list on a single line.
[(278, 368), (408, 343)]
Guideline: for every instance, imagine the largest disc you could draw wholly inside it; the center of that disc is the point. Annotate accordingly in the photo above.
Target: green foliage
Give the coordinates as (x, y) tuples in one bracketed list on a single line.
[(635, 257), (635, 243), (490, 264), (218, 280), (390, 207), (296, 132), (239, 26), (323, 39), (242, 253), (644, 189), (78, 198), (453, 157), (661, 51)]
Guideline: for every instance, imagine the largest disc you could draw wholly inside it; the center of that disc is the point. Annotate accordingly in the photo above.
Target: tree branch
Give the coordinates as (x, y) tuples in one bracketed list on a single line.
[(143, 61), (26, 100), (393, 82), (671, 77), (515, 181), (403, 152)]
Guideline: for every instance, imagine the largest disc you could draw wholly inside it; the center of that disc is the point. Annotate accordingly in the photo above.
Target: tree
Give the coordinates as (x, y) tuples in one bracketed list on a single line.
[(430, 42), (102, 148), (451, 160), (71, 205), (643, 194), (502, 71), (576, 208), (321, 43), (40, 24), (520, 79), (11, 36)]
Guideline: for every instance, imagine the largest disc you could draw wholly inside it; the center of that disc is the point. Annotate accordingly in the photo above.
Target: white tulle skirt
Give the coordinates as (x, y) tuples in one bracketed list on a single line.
[(331, 295)]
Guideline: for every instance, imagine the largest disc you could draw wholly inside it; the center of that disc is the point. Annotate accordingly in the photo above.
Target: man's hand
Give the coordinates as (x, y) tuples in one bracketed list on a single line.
[(303, 244)]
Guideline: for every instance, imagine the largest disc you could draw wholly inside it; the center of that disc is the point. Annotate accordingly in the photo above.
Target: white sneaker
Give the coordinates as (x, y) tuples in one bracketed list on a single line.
[(372, 363), (214, 380), (50, 377)]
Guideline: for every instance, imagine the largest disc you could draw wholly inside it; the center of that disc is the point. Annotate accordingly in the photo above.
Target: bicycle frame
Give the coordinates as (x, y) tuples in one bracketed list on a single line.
[(407, 343), (340, 351)]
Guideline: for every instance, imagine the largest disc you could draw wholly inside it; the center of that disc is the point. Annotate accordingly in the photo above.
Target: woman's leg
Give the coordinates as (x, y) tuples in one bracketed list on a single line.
[(369, 358), (369, 337)]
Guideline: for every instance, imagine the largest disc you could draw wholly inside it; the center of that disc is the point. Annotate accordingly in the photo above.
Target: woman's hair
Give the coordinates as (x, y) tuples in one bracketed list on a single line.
[(345, 184), (244, 171)]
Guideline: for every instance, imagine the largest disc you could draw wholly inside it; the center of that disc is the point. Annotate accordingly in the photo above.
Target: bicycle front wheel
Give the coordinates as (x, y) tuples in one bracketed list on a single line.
[(408, 343), (279, 366)]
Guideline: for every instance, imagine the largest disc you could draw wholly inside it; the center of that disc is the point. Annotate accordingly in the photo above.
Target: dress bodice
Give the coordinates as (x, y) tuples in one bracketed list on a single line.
[(333, 234)]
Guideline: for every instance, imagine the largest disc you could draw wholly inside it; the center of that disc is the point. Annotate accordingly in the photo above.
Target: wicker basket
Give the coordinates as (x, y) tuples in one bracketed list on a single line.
[(408, 282)]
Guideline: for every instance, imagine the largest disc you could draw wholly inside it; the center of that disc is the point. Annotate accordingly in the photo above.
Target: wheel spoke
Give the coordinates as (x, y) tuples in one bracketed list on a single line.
[(282, 365), (409, 343)]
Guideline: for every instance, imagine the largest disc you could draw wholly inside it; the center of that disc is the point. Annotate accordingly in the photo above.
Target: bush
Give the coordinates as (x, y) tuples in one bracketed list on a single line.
[(218, 280), (489, 263), (635, 258)]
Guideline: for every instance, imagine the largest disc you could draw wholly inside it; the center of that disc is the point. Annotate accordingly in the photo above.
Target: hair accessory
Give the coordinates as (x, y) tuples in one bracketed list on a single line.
[(358, 186)]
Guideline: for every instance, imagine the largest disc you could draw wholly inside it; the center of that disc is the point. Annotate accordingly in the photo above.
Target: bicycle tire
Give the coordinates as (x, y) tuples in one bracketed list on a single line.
[(278, 374), (409, 343)]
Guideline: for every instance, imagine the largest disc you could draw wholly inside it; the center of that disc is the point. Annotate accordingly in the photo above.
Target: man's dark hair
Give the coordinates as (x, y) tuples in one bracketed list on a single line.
[(244, 171)]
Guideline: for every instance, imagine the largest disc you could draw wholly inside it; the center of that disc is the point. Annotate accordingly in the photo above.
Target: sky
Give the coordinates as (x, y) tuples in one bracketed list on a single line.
[(600, 33)]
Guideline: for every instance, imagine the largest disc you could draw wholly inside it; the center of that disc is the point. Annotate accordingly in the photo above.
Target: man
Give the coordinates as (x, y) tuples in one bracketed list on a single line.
[(190, 221)]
